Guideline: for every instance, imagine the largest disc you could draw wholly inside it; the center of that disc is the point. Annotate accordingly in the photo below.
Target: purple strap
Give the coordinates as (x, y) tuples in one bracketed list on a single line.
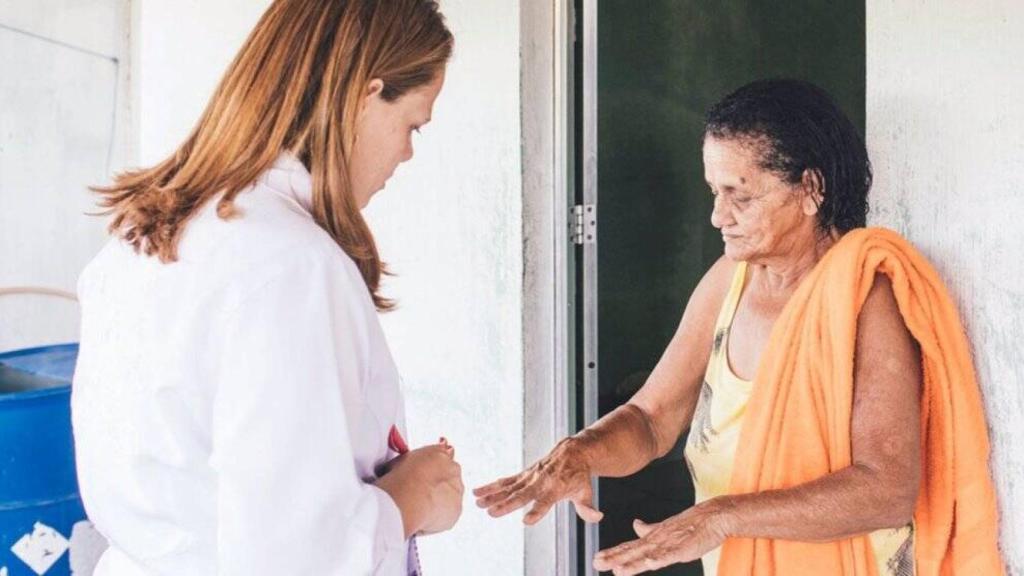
[(413, 562)]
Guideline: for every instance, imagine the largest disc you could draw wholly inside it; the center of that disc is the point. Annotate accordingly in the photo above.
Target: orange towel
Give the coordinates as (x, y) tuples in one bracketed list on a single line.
[(797, 424)]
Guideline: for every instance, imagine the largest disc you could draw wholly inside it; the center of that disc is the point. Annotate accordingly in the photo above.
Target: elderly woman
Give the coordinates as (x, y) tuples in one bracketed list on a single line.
[(821, 436)]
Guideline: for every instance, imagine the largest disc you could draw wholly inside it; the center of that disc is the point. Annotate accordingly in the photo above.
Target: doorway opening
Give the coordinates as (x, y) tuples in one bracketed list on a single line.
[(643, 79)]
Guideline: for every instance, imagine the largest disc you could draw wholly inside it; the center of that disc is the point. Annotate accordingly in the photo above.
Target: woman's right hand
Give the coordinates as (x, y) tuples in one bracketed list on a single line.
[(564, 474), (426, 485)]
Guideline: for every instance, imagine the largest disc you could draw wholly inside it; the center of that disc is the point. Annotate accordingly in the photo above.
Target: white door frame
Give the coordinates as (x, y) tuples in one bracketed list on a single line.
[(546, 33)]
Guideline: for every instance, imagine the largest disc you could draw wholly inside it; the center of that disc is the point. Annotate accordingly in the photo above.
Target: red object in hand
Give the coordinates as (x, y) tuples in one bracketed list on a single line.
[(396, 442)]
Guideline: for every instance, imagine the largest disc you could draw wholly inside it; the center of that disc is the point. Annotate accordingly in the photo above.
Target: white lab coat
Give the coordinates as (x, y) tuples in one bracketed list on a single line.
[(229, 409)]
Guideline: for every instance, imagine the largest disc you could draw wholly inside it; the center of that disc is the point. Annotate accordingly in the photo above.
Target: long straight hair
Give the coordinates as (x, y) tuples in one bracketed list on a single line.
[(296, 85)]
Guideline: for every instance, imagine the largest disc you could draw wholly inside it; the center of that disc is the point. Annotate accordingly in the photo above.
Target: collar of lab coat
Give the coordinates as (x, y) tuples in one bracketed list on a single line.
[(289, 177)]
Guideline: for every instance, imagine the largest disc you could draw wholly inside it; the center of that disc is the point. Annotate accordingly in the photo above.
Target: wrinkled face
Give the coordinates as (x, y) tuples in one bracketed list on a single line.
[(383, 135), (760, 214)]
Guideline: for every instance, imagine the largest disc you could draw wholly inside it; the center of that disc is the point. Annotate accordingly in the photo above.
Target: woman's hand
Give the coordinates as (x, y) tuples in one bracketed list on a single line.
[(563, 474), (426, 485), (681, 538)]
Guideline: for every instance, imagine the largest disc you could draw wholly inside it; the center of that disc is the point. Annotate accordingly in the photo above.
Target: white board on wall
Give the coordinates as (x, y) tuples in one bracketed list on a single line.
[(60, 104)]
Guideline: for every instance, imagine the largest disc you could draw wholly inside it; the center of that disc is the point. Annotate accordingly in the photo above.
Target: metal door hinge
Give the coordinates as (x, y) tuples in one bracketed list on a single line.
[(584, 219)]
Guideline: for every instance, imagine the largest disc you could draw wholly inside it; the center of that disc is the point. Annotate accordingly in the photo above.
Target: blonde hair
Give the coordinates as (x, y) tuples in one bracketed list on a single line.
[(296, 85)]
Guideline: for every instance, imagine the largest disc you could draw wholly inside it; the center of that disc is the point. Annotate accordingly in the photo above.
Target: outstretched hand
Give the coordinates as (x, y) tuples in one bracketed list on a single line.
[(563, 474), (681, 538)]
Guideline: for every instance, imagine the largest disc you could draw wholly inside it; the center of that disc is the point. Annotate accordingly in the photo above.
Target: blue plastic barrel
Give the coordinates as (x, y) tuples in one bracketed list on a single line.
[(39, 502)]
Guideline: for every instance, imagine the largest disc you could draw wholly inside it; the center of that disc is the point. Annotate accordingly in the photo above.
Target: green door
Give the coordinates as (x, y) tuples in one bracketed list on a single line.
[(660, 64)]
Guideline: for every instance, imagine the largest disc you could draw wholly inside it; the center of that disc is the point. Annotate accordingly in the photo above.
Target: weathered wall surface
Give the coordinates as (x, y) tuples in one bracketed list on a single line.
[(945, 128)]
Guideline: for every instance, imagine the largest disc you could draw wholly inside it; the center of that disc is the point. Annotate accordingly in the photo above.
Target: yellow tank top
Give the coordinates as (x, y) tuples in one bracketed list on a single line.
[(715, 432)]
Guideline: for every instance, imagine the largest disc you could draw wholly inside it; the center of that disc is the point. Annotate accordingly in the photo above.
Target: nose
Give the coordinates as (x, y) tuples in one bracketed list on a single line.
[(720, 214)]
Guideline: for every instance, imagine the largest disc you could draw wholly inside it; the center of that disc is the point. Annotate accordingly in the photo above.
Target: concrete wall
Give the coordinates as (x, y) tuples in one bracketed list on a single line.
[(64, 118), (449, 224), (945, 129)]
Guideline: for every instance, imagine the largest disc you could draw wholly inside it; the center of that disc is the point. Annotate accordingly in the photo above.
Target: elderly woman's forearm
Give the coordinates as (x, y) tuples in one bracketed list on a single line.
[(620, 443), (847, 503)]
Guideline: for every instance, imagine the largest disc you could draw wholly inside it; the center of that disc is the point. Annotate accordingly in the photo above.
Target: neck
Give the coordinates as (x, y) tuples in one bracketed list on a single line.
[(782, 273)]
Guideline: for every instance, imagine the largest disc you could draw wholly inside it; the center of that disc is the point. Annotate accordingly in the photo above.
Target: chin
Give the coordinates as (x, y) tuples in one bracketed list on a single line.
[(364, 203), (736, 253)]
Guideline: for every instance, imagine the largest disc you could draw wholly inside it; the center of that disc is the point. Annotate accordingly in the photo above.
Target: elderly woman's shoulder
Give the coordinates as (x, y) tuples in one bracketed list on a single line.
[(882, 331), (714, 286), (881, 301), (721, 274), (722, 270)]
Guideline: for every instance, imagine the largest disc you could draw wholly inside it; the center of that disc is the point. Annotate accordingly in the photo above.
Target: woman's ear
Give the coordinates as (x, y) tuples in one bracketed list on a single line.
[(375, 87), (373, 90), (814, 191)]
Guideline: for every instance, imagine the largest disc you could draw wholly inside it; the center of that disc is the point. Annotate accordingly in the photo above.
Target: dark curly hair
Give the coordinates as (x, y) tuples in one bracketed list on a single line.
[(799, 127)]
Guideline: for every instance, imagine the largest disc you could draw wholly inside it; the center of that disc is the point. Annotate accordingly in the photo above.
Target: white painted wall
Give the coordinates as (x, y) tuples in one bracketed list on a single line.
[(945, 129), (181, 49), (63, 126), (449, 224)]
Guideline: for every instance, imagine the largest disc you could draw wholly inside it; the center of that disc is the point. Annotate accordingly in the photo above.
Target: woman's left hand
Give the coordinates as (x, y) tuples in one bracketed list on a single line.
[(681, 538)]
